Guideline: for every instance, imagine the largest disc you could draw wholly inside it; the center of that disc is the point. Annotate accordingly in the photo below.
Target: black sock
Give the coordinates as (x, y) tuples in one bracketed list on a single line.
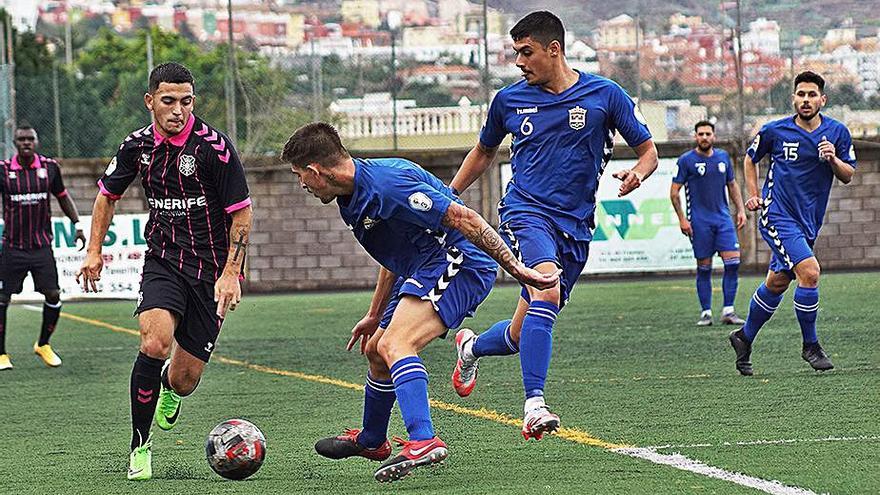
[(50, 319), (3, 308), (145, 380)]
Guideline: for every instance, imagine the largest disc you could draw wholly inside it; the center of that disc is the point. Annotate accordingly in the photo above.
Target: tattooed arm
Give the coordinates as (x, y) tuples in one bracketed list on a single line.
[(482, 235), (227, 289)]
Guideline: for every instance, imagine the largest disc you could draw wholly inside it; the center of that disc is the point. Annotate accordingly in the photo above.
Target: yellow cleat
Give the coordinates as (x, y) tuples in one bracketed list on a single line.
[(5, 363), (47, 355)]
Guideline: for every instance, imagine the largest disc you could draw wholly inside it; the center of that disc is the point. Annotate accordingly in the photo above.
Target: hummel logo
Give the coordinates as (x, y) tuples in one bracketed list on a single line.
[(209, 347), (422, 450)]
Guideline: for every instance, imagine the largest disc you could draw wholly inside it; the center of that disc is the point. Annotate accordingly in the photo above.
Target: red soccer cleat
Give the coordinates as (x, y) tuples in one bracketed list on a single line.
[(464, 376), (414, 454), (539, 421)]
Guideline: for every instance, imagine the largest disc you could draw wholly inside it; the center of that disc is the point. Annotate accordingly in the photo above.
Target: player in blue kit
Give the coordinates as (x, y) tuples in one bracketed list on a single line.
[(438, 262), (807, 151), (563, 124), (705, 173)]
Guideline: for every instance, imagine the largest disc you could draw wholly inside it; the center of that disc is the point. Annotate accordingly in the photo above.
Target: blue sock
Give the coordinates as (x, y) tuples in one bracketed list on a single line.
[(806, 307), (411, 386), (535, 345), (495, 341), (730, 281), (762, 307), (704, 286), (379, 398)]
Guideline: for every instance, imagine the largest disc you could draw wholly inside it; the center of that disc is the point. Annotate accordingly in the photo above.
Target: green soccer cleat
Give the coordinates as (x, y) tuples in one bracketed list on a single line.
[(140, 465), (168, 409)]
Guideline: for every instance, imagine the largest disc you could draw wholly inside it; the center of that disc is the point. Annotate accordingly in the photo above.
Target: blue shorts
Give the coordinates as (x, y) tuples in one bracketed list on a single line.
[(710, 238), (453, 285), (788, 244), (535, 240)]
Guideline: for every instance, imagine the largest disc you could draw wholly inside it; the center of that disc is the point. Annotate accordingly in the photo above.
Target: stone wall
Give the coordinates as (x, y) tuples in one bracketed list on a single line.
[(299, 244)]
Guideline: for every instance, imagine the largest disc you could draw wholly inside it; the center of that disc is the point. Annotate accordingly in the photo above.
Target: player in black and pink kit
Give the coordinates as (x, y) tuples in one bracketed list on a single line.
[(197, 234), (27, 181)]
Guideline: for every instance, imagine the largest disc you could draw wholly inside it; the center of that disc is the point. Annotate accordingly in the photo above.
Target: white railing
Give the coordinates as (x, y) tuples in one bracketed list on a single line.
[(413, 122)]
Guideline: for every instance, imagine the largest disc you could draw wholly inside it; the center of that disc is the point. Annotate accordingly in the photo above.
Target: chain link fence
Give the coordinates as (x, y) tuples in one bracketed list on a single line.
[(402, 91)]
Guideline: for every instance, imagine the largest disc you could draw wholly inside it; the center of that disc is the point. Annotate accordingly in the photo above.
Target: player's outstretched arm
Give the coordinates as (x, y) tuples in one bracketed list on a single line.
[(227, 289), (90, 271), (69, 208), (750, 170), (482, 235), (475, 163), (631, 178), (368, 325)]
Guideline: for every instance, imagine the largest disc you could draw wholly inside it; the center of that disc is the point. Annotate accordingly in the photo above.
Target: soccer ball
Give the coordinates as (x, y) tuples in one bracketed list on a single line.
[(235, 449)]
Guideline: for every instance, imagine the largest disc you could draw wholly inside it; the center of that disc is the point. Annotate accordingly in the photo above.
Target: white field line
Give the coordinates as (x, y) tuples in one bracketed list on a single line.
[(676, 461), (679, 461), (781, 441)]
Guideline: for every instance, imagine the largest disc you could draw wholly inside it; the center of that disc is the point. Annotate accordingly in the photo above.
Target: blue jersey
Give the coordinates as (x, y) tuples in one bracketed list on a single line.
[(798, 183), (705, 180), (395, 213), (561, 144)]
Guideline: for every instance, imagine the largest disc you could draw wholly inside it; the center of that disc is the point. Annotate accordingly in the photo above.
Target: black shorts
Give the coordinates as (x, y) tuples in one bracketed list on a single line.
[(16, 263), (193, 300)]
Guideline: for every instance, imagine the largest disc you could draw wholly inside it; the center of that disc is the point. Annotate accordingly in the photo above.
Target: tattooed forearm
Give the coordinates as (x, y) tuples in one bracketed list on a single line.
[(240, 246), (482, 235), (238, 240)]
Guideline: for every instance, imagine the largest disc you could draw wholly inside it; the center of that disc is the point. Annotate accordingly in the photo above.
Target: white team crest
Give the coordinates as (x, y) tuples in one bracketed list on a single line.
[(577, 118), (722, 167), (369, 223), (111, 167), (187, 165), (12, 175), (420, 201), (701, 169), (145, 159), (42, 173)]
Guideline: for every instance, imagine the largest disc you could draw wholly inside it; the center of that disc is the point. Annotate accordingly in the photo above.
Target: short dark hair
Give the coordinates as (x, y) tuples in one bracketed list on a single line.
[(317, 142), (809, 76), (170, 72), (541, 26), (704, 123)]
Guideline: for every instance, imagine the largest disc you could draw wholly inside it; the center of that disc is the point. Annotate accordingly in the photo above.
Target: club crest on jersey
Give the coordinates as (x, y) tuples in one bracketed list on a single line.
[(701, 169), (12, 175), (145, 159), (369, 223), (187, 165), (420, 202), (722, 167), (577, 118), (42, 173)]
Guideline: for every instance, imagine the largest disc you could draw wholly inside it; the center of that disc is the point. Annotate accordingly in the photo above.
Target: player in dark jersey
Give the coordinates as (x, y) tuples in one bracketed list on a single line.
[(807, 152), (28, 179), (707, 176), (197, 235), (437, 267), (563, 123)]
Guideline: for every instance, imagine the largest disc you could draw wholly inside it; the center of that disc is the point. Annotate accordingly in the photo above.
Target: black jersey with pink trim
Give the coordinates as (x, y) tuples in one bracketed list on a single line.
[(193, 182), (27, 214)]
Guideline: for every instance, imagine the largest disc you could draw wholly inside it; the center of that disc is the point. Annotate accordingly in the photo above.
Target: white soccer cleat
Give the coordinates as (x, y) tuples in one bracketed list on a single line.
[(464, 376), (539, 421)]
